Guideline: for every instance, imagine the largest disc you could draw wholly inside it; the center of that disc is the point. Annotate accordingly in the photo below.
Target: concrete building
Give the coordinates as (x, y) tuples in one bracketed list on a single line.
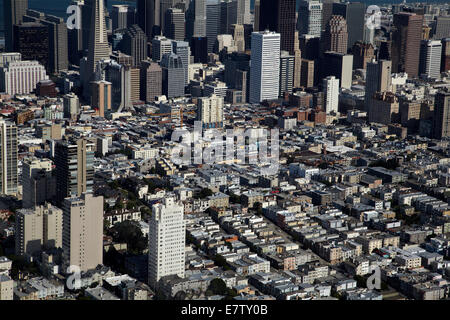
[(310, 18), (213, 8), (83, 231), (160, 46), (336, 35), (38, 228), (38, 182), (134, 43), (151, 81), (181, 49), (73, 180), (13, 11), (122, 16), (71, 105), (384, 108), (175, 26), (8, 158), (331, 94), (6, 288), (441, 118), (265, 70), (21, 77), (287, 64), (173, 75), (430, 59), (166, 241), (353, 13), (101, 96), (378, 78), (196, 19), (339, 65), (210, 111)]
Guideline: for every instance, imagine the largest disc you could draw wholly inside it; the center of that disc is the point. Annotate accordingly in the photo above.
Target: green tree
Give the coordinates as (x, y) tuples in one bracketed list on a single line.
[(218, 286), (130, 232)]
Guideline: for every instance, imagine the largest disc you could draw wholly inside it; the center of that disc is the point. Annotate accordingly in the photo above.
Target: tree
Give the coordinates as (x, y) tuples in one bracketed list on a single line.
[(257, 206), (218, 286), (130, 232)]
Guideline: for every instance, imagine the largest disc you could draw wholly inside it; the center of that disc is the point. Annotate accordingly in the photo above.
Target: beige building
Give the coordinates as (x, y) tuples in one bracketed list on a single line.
[(6, 288), (101, 96), (41, 226), (38, 185), (384, 108), (83, 231)]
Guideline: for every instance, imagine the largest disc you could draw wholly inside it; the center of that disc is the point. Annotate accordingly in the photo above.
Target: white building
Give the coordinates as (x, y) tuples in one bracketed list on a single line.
[(160, 46), (331, 94), (310, 18), (265, 66), (167, 232), (210, 111), (145, 153), (430, 58), (21, 77)]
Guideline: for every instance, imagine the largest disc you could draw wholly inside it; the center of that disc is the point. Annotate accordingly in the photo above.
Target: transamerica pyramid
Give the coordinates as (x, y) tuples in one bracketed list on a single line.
[(98, 39)]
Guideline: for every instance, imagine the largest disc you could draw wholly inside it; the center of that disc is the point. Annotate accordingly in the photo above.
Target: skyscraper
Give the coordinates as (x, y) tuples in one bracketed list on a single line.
[(378, 78), (287, 62), (310, 17), (362, 54), (122, 17), (331, 94), (279, 16), (165, 5), (8, 158), (237, 30), (167, 237), (199, 49), (38, 183), (213, 8), (339, 65), (406, 39), (21, 77), (243, 12), (149, 17), (101, 96), (196, 19), (74, 161), (228, 15), (83, 231), (327, 11), (265, 69), (441, 118), (151, 81), (134, 43), (336, 35), (430, 58), (31, 39), (441, 28), (181, 49), (175, 26), (353, 13), (98, 44), (13, 12), (160, 46), (256, 13), (445, 58), (173, 82)]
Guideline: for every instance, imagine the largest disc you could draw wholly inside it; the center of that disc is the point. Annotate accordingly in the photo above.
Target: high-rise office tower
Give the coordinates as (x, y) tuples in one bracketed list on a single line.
[(287, 63), (74, 161), (384, 108), (122, 17), (445, 58), (310, 17), (406, 39), (243, 12), (199, 49), (8, 158), (213, 12), (101, 96), (167, 237), (149, 17), (31, 39), (13, 11), (98, 44), (160, 46), (310, 47), (256, 14), (331, 94), (75, 44), (265, 70), (165, 5), (175, 26), (369, 34), (119, 74), (228, 15), (181, 49), (135, 84), (297, 61), (83, 231), (71, 105), (37, 229), (173, 82), (210, 111), (339, 65), (378, 78), (362, 54), (441, 118), (21, 77), (134, 43), (327, 12), (279, 16), (308, 73), (38, 182), (151, 81), (336, 35), (353, 13), (196, 19), (57, 39), (430, 59), (237, 71), (237, 30), (441, 28)]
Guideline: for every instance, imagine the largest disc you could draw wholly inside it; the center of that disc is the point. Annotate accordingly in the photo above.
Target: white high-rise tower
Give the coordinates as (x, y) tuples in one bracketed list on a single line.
[(331, 94), (167, 238), (265, 66)]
